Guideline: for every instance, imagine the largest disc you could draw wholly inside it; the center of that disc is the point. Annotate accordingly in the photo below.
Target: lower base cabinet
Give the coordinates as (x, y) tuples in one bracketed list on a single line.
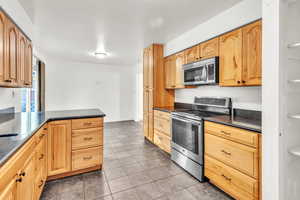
[(162, 130), (49, 154), (232, 160)]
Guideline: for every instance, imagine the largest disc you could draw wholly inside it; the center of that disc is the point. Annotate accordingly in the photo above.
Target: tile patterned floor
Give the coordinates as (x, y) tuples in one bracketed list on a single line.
[(133, 170)]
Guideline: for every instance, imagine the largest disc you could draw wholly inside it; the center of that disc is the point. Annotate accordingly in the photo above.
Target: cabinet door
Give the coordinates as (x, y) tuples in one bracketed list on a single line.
[(146, 68), (192, 54), (12, 52), (167, 66), (151, 67), (2, 45), (179, 61), (25, 187), (210, 48), (146, 125), (150, 100), (28, 65), (151, 126), (252, 45), (22, 59), (231, 58), (146, 100), (9, 193), (59, 147)]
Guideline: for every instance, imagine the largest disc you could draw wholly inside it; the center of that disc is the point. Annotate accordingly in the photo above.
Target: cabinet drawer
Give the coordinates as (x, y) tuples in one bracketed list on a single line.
[(87, 123), (163, 125), (39, 183), (84, 138), (238, 156), (235, 134), (86, 158), (230, 180), (41, 133), (41, 155), (162, 141), (161, 114)]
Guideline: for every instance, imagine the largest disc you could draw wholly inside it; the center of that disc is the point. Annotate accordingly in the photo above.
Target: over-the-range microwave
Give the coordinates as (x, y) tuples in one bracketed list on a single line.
[(203, 72)]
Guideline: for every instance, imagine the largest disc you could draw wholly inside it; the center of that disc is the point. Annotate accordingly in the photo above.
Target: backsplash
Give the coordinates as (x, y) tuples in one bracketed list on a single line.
[(242, 97)]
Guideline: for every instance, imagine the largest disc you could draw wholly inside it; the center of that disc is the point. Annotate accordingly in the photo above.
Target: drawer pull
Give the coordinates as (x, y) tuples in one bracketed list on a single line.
[(225, 152), (19, 180), (226, 133), (41, 136), (87, 138), (226, 178), (41, 157), (87, 158), (87, 123), (42, 183), (22, 174)]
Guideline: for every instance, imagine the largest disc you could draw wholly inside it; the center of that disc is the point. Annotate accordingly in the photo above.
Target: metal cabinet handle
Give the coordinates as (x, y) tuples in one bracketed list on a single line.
[(87, 158), (22, 174), (238, 82), (243, 81), (225, 152), (87, 138), (42, 183), (42, 135), (41, 157), (226, 133), (19, 180), (227, 178), (8, 80)]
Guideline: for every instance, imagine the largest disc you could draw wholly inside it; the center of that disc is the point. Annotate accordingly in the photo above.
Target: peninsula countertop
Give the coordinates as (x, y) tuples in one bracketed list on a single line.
[(25, 124)]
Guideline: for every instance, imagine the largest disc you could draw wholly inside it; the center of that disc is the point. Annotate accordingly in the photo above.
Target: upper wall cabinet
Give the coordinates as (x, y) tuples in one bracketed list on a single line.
[(16, 55), (170, 72), (231, 58), (2, 45), (209, 48), (252, 45), (192, 54), (240, 56)]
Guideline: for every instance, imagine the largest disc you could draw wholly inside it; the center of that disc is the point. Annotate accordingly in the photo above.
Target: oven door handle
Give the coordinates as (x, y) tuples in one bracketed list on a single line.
[(186, 120)]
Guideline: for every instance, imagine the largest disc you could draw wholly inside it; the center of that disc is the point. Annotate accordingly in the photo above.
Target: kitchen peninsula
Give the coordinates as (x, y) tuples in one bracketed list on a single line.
[(46, 146)]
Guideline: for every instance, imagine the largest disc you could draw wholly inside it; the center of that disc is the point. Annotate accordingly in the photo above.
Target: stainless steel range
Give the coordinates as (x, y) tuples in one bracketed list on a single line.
[(188, 133)]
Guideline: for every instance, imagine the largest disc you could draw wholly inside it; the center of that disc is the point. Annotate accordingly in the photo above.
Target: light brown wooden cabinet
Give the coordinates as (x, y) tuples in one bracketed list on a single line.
[(59, 147), (162, 130), (25, 186), (252, 54), (209, 48), (192, 54), (2, 46), (170, 72), (231, 58), (155, 93), (240, 56), (232, 160), (16, 55), (10, 191)]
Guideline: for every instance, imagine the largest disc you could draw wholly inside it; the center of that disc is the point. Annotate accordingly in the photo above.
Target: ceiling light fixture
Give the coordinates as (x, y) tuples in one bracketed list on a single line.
[(101, 54)]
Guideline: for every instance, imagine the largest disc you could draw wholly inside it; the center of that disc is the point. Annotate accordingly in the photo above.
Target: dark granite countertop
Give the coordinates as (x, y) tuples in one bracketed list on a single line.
[(238, 122), (26, 124)]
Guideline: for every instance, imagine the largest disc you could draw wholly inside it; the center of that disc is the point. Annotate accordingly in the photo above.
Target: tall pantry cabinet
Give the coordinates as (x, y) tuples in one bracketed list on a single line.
[(155, 94)]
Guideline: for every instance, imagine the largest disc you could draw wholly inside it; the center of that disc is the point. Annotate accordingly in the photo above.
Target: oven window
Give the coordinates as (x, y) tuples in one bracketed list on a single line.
[(185, 135), (211, 72)]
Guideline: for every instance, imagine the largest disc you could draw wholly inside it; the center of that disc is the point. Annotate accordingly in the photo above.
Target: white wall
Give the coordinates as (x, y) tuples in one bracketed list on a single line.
[(11, 97), (240, 14), (74, 85)]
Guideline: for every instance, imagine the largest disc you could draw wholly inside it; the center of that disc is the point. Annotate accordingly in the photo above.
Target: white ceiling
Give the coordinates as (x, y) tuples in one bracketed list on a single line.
[(73, 29)]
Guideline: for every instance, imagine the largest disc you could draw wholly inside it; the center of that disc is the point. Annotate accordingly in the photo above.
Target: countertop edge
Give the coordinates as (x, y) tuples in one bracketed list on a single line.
[(14, 150), (234, 125)]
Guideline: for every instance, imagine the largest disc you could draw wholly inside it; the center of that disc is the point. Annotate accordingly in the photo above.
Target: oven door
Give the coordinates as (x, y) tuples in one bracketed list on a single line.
[(187, 138), (195, 75)]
